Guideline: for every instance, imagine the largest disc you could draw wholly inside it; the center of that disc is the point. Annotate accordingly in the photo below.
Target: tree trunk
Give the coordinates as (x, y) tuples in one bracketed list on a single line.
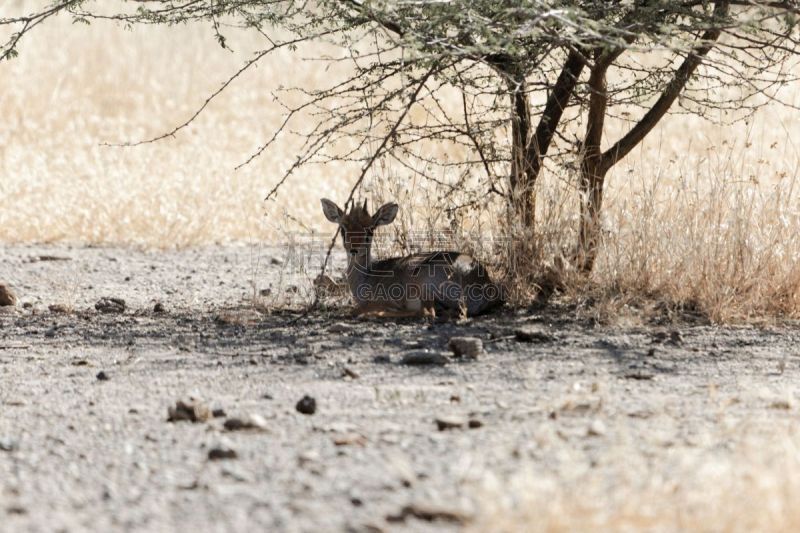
[(523, 176), (593, 166), (528, 148)]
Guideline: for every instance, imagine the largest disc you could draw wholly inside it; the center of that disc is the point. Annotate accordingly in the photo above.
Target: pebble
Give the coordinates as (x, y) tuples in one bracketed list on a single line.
[(110, 305), (159, 308), (7, 297), (59, 308), (191, 409), (424, 357), (307, 405), (531, 334), (102, 376), (8, 445), (466, 347), (348, 372), (428, 513), (350, 439), (340, 327), (450, 422), (596, 429), (222, 451), (249, 422)]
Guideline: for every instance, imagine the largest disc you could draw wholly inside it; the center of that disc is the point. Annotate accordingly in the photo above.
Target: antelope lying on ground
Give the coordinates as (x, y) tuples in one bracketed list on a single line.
[(449, 283)]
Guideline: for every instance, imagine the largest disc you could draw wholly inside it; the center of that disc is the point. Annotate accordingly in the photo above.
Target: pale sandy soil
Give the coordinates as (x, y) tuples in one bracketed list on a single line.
[(623, 405)]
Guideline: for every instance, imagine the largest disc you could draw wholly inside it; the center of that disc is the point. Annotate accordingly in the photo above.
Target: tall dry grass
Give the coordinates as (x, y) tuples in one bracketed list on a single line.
[(700, 216)]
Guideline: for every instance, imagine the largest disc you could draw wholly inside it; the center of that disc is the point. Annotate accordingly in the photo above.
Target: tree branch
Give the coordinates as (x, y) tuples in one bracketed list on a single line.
[(673, 89)]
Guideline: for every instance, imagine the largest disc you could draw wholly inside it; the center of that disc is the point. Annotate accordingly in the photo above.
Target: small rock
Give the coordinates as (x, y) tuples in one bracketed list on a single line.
[(8, 445), (596, 429), (530, 334), (222, 451), (234, 474), (265, 292), (307, 405), (466, 347), (340, 327), (428, 513), (102, 376), (350, 373), (672, 337), (238, 317), (424, 357), (249, 422), (640, 375), (159, 308), (350, 439), (110, 305), (382, 359), (218, 413), (275, 261), (474, 423), (450, 422), (7, 297), (59, 308), (190, 409)]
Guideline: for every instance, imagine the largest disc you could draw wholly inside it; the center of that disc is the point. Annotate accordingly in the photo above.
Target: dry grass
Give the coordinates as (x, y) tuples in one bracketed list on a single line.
[(728, 480), (700, 216)]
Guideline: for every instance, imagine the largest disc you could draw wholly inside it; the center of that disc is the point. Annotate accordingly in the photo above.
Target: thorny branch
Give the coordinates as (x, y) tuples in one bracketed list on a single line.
[(501, 60)]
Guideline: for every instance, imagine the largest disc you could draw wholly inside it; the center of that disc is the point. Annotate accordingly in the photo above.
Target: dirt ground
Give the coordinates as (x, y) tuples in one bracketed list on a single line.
[(85, 441)]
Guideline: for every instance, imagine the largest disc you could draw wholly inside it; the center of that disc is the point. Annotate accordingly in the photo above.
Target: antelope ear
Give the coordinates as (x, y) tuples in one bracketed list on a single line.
[(332, 211), (385, 214)]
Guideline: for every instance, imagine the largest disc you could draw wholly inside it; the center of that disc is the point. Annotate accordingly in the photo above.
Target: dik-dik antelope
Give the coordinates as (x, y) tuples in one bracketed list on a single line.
[(443, 282)]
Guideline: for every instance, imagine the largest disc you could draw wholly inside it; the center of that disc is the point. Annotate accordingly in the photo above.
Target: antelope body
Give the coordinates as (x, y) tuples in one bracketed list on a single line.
[(444, 282)]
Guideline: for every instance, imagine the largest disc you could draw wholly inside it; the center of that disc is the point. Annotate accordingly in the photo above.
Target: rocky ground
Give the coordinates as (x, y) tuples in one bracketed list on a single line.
[(326, 423)]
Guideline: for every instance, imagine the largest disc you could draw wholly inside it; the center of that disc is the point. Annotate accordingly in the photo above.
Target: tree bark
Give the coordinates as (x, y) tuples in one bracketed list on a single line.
[(593, 169), (554, 109), (528, 151), (523, 177)]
